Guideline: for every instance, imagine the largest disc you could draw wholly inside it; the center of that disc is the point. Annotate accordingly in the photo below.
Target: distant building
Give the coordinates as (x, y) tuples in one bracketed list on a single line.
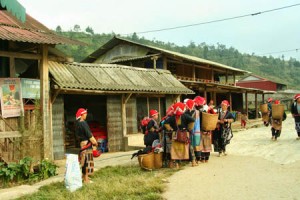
[(254, 81)]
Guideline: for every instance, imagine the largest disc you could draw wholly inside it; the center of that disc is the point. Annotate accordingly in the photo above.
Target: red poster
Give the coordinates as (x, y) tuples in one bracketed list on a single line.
[(10, 96)]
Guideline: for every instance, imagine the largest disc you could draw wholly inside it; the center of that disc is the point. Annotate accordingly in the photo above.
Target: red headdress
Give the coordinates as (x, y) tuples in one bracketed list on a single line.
[(153, 112), (80, 112), (270, 100), (297, 96), (225, 102), (190, 104), (179, 108), (199, 101)]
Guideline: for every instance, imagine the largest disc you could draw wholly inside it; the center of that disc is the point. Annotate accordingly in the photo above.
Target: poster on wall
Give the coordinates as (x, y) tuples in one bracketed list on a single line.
[(11, 97), (30, 88)]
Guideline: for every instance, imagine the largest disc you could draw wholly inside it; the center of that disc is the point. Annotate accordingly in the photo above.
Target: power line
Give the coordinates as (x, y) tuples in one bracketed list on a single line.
[(214, 21), (284, 51)]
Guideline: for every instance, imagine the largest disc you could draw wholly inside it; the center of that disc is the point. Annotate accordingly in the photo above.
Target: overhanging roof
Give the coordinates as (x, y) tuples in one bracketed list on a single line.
[(30, 31), (111, 78), (15, 8), (117, 40)]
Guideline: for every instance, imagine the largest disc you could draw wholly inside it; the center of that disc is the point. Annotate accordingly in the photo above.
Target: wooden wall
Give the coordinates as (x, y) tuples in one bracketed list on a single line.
[(131, 116), (58, 128), (114, 123)]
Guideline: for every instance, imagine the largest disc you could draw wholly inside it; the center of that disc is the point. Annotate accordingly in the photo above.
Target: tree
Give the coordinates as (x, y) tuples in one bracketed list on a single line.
[(76, 28), (58, 29), (89, 30)]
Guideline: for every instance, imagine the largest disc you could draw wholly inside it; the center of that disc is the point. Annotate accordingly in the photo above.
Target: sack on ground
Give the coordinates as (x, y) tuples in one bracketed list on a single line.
[(73, 180)]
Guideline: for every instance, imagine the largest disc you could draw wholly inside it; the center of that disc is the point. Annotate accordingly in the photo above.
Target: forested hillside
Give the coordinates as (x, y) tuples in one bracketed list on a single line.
[(273, 68)]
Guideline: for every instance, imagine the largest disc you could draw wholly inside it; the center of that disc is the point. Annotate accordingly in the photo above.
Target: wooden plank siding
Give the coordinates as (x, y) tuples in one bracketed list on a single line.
[(114, 123), (58, 128), (131, 116)]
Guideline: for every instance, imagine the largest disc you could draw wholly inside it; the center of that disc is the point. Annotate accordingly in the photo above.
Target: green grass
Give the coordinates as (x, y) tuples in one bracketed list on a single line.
[(113, 183)]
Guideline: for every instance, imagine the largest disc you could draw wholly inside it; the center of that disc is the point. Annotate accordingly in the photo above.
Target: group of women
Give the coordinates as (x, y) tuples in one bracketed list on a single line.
[(183, 136)]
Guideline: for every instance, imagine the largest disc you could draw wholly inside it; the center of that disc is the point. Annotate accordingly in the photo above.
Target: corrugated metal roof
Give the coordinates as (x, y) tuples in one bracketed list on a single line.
[(31, 31), (111, 77), (116, 40)]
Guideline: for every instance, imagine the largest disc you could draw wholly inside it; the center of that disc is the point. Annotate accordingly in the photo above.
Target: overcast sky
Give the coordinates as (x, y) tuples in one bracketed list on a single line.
[(269, 32)]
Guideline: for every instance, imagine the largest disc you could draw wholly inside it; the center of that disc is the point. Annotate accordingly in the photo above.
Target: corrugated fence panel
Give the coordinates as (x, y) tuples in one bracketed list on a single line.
[(114, 123), (58, 128), (131, 116)]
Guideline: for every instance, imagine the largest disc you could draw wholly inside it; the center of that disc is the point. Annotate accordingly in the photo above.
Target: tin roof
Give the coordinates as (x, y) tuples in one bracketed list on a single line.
[(117, 40), (30, 31), (114, 78)]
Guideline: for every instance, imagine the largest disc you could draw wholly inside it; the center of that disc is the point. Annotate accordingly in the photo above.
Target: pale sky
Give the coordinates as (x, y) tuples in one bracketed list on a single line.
[(269, 32)]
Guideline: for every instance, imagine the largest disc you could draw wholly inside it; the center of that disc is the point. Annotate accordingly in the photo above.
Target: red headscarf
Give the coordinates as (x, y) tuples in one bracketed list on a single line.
[(199, 101), (270, 100), (225, 102), (179, 108), (80, 112), (276, 102), (297, 96), (153, 112), (190, 104)]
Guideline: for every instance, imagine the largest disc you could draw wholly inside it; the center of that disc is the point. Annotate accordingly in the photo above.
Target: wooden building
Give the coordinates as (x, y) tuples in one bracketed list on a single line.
[(26, 46), (212, 80), (117, 97), (261, 83)]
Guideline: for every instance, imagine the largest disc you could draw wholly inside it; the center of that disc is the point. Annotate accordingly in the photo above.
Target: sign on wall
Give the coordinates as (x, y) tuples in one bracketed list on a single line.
[(30, 88), (11, 97)]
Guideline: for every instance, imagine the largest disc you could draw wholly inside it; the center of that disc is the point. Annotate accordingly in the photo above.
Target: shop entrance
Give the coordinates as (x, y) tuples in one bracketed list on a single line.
[(96, 118)]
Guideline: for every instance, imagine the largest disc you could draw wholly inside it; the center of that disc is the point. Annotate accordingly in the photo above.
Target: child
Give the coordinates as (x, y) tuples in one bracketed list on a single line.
[(244, 120)]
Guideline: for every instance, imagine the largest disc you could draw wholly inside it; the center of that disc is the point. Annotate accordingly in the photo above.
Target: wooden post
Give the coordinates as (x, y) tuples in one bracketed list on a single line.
[(165, 63), (125, 98), (44, 99), (212, 75), (226, 77), (246, 102), (263, 98), (160, 112), (230, 102), (194, 73), (256, 107), (12, 67), (234, 79)]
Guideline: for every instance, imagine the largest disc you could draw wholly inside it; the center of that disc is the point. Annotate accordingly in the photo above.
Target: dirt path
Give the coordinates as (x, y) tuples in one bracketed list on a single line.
[(256, 168)]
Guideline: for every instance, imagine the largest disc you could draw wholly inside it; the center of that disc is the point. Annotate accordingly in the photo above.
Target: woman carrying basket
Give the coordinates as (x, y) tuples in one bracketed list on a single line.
[(223, 133), (180, 124), (295, 110), (276, 122)]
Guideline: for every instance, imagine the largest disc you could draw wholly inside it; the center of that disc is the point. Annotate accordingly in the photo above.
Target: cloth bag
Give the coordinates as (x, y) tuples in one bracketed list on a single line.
[(182, 136), (73, 180)]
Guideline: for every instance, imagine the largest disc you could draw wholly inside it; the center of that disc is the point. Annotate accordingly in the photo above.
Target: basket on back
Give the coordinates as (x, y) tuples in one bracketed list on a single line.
[(277, 111), (264, 108), (209, 121)]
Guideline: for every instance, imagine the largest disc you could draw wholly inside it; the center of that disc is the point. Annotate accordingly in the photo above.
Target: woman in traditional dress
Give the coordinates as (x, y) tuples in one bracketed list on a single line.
[(86, 139), (295, 110), (152, 129), (276, 123), (166, 137), (223, 133), (179, 122), (190, 105)]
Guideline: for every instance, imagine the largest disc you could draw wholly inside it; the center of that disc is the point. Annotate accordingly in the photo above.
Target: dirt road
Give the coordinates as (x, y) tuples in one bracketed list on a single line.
[(255, 168)]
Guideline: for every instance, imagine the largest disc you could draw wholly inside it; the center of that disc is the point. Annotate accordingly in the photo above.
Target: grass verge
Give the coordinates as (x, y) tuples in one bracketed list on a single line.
[(114, 183)]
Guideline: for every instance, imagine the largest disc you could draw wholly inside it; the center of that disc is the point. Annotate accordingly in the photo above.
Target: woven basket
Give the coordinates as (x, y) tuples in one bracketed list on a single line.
[(158, 160), (264, 108), (146, 161), (209, 121), (277, 111), (265, 117)]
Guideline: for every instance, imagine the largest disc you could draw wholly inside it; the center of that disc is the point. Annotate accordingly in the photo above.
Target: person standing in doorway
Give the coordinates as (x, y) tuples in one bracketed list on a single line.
[(87, 141), (295, 110)]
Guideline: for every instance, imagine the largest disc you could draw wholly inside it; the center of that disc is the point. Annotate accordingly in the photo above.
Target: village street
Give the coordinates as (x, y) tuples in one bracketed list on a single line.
[(255, 168)]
